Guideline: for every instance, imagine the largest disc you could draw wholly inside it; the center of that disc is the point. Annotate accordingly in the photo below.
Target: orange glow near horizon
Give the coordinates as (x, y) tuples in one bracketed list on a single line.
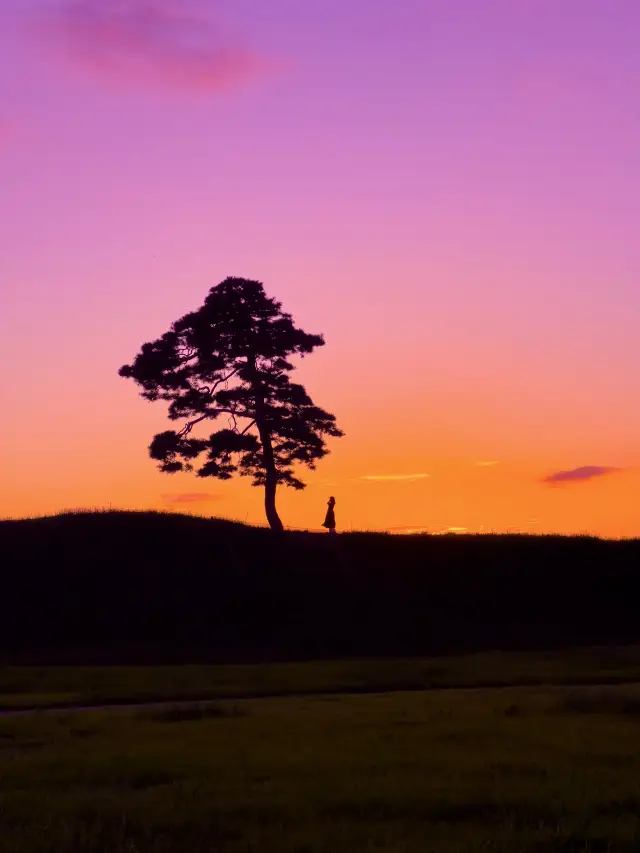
[(444, 460), (400, 479)]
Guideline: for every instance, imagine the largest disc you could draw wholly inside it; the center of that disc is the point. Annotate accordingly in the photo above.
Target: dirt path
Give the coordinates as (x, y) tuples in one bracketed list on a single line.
[(134, 704)]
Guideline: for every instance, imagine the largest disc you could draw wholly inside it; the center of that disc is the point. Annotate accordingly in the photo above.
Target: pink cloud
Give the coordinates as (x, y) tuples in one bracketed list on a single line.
[(151, 42), (578, 475), (190, 498)]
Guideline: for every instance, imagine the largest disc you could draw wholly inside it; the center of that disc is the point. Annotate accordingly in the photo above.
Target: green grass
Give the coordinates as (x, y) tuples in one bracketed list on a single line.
[(29, 687), (519, 770)]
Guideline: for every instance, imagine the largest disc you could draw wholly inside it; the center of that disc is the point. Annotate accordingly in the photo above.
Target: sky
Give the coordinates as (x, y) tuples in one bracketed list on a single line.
[(448, 190)]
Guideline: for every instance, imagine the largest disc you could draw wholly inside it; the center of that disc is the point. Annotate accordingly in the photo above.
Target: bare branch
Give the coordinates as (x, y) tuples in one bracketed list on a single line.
[(186, 429), (210, 391)]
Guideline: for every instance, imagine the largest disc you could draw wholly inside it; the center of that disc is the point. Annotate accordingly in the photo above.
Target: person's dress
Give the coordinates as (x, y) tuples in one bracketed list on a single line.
[(330, 519)]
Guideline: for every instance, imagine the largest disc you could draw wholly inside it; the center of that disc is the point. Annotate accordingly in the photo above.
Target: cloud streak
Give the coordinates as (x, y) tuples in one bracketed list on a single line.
[(578, 475), (190, 498), (175, 43), (394, 478), (407, 530)]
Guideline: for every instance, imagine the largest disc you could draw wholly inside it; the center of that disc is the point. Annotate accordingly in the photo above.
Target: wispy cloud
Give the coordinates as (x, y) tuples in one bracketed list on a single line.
[(190, 498), (407, 530), (578, 475), (391, 478), (159, 42), (489, 463)]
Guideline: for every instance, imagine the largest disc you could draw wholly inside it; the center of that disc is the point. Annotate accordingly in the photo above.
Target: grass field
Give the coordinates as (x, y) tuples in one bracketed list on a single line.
[(518, 769), (30, 687)]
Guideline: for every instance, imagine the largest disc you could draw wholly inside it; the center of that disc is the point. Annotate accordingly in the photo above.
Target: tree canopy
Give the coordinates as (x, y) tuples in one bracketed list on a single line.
[(231, 359)]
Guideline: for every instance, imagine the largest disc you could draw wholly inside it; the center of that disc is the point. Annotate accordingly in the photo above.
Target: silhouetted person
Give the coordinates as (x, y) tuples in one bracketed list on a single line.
[(330, 518)]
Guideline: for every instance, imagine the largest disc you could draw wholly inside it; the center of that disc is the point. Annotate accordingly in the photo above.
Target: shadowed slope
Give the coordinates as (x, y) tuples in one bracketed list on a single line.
[(153, 587)]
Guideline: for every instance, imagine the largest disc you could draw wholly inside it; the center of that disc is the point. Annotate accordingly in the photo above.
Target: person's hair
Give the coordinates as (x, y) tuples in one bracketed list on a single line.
[(332, 499)]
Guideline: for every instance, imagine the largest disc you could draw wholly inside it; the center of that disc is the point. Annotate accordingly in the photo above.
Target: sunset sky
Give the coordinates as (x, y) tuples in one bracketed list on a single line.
[(448, 190)]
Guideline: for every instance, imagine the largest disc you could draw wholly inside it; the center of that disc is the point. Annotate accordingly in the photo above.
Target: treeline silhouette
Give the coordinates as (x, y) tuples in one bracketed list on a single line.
[(159, 588)]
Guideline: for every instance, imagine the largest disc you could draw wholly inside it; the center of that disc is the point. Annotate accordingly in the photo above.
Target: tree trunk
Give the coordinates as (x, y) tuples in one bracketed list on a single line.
[(271, 475), (271, 483), (270, 504)]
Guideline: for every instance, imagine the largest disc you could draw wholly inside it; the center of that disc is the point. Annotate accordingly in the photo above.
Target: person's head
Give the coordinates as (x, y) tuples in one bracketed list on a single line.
[(332, 501)]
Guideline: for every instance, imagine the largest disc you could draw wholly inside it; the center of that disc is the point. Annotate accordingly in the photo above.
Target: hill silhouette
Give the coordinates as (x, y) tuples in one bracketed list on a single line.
[(131, 587)]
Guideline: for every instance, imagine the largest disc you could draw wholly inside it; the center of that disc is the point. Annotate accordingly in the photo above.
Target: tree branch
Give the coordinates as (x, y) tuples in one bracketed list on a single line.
[(186, 429), (186, 354), (210, 391)]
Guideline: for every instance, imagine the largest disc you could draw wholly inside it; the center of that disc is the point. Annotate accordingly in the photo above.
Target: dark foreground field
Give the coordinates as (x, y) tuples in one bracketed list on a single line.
[(523, 770), (529, 745), (156, 588)]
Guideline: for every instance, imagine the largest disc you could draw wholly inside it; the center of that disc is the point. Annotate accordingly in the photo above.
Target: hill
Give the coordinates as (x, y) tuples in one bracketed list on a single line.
[(127, 587)]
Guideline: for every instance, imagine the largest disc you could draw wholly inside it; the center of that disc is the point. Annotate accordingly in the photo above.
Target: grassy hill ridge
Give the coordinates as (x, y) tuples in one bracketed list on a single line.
[(129, 587)]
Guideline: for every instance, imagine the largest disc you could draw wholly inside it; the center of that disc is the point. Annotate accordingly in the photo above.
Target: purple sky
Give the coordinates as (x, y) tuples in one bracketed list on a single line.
[(449, 190)]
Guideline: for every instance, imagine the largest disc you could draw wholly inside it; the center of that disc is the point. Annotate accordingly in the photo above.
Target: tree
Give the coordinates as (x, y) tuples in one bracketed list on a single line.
[(231, 357)]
